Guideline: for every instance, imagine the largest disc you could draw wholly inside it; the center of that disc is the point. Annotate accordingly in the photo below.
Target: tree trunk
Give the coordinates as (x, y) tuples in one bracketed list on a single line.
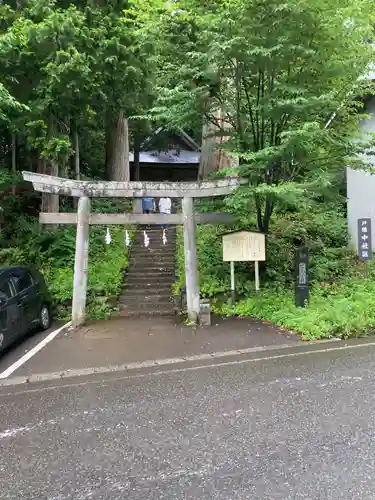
[(52, 201), (208, 161), (108, 145), (118, 158), (214, 158), (77, 169), (136, 163), (40, 164), (77, 163), (14, 159), (42, 169)]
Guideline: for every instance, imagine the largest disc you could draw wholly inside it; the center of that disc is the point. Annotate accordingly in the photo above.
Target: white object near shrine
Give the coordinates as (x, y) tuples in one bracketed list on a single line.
[(127, 238), (108, 238), (146, 239), (244, 246), (164, 237)]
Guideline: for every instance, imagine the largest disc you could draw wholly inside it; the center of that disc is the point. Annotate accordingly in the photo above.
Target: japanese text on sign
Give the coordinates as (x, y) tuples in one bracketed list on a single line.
[(244, 246), (302, 278), (364, 239)]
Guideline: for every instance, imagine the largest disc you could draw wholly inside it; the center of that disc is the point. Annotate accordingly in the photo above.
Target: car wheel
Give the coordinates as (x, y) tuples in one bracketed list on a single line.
[(45, 317)]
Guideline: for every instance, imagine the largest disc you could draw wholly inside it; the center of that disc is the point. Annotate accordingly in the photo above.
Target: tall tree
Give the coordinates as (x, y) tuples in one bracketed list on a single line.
[(121, 67), (275, 71), (76, 65)]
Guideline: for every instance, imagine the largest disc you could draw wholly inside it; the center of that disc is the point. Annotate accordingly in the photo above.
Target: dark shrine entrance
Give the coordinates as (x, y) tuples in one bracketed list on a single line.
[(166, 156)]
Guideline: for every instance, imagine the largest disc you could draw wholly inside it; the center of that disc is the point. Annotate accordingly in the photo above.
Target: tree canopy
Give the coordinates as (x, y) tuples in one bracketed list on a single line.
[(79, 77), (270, 75)]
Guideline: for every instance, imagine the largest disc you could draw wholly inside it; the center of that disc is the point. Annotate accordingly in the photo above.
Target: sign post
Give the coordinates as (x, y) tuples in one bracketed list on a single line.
[(232, 283), (364, 243), (243, 246), (302, 277), (257, 284)]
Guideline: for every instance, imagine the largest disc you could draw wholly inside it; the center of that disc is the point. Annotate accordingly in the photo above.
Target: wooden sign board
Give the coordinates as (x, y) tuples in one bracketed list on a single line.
[(244, 246)]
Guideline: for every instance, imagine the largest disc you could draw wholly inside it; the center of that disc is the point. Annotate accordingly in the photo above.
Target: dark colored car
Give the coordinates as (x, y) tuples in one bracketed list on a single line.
[(25, 303)]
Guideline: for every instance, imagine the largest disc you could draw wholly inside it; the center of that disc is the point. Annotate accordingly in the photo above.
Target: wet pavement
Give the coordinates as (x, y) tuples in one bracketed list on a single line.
[(24, 345), (119, 341), (300, 427)]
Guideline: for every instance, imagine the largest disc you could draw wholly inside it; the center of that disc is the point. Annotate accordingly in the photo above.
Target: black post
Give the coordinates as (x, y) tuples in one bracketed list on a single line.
[(302, 277)]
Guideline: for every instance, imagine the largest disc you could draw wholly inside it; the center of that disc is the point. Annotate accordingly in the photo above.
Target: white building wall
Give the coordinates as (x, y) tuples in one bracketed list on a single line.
[(361, 187)]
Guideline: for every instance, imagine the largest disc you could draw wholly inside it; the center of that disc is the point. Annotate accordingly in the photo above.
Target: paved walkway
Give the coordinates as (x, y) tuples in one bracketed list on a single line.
[(128, 340)]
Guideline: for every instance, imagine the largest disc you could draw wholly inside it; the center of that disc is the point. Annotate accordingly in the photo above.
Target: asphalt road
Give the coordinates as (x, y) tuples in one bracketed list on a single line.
[(290, 428)]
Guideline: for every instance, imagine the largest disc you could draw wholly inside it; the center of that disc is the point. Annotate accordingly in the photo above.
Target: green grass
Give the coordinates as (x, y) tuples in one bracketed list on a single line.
[(345, 309), (107, 264)]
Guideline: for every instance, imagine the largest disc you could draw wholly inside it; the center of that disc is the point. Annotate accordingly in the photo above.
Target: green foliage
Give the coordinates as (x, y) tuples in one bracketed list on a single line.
[(341, 300), (53, 253), (346, 309), (270, 86), (69, 68), (322, 229)]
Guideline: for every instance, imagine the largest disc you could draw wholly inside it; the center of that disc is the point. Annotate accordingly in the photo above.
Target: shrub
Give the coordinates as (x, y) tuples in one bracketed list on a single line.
[(339, 310), (324, 232), (54, 252), (341, 301)]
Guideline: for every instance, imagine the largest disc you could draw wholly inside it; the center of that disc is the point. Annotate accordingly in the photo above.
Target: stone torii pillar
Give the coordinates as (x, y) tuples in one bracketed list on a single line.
[(191, 265), (81, 262)]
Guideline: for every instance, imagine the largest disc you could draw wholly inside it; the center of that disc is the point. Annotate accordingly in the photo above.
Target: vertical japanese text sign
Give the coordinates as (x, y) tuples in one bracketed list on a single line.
[(364, 239), (302, 277)]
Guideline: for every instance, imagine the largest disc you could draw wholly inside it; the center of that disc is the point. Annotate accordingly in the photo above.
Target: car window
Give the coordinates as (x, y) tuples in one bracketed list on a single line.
[(23, 281), (5, 290)]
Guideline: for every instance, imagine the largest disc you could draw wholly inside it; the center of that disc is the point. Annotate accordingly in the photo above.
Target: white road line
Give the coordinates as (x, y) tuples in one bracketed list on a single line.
[(32, 352)]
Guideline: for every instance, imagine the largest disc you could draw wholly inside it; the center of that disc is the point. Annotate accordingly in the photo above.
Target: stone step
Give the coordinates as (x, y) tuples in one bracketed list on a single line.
[(151, 274), (152, 257), (131, 299), (147, 289), (145, 282), (151, 267), (156, 232), (158, 277), (153, 249), (147, 293), (155, 235), (143, 227), (154, 239), (153, 243), (155, 306), (136, 313)]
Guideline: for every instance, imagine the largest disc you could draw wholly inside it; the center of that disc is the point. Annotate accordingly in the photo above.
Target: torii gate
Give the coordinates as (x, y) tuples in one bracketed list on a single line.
[(85, 190)]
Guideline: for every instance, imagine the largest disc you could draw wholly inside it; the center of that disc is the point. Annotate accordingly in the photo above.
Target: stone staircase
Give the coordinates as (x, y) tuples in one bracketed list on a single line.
[(148, 283)]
